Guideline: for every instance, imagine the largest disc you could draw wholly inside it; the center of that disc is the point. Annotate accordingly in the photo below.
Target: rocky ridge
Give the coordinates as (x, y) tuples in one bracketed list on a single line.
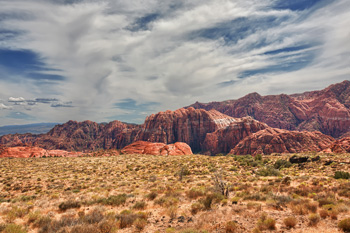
[(327, 110), (273, 140), (213, 132), (153, 148)]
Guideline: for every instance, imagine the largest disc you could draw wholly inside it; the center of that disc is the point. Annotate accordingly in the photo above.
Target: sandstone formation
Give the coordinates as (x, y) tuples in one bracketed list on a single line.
[(72, 136), (142, 147), (225, 139), (327, 111), (340, 146), (183, 125), (213, 131), (272, 140), (31, 152)]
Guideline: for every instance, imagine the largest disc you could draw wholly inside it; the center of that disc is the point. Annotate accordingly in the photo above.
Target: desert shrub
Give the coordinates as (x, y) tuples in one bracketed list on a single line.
[(42, 222), (85, 228), (247, 160), (344, 225), (114, 200), (2, 227), (183, 172), (323, 213), (290, 222), (172, 211), (94, 216), (195, 193), (266, 223), (151, 196), (166, 201), (314, 219), (268, 171), (140, 224), (66, 220), (299, 209), (281, 163), (341, 175), (16, 212), (258, 157), (140, 205), (312, 206), (326, 201), (207, 201), (33, 216), (126, 218), (231, 227), (13, 228), (70, 204), (106, 226), (196, 207)]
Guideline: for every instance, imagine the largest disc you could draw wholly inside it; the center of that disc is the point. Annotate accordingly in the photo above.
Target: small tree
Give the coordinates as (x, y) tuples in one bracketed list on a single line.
[(220, 185)]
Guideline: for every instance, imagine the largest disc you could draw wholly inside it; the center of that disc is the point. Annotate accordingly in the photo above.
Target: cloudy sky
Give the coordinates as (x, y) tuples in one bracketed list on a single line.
[(123, 60)]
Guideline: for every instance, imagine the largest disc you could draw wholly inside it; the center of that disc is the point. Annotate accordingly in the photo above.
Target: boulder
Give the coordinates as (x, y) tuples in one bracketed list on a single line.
[(272, 140), (143, 147)]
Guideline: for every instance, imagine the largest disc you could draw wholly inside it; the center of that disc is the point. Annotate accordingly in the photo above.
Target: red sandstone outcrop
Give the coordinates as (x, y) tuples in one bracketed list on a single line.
[(327, 111), (272, 140), (340, 146), (72, 136), (142, 147), (31, 152), (183, 125), (225, 139)]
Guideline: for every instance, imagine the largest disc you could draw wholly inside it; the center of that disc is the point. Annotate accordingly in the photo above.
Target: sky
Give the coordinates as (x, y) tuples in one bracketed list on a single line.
[(123, 60)]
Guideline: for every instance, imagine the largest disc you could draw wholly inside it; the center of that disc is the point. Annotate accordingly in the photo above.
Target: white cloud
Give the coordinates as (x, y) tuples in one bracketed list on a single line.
[(16, 99), (3, 106), (89, 43)]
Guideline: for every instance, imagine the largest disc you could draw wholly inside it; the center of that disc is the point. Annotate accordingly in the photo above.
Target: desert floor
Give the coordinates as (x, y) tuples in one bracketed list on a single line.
[(194, 193)]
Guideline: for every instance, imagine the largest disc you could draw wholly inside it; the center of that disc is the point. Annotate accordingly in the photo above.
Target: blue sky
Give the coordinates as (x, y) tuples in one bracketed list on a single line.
[(122, 60)]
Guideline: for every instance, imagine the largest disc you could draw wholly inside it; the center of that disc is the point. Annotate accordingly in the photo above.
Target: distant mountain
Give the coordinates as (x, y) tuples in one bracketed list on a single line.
[(39, 128), (327, 110), (247, 125)]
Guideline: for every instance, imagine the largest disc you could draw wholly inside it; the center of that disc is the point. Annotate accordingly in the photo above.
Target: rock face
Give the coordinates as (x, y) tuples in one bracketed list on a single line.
[(340, 146), (71, 136), (183, 125), (142, 147), (272, 140), (31, 152), (225, 139), (327, 111)]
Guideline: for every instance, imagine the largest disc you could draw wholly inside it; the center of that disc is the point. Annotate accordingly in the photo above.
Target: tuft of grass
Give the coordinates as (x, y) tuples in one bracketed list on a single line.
[(114, 200), (344, 225), (266, 223), (13, 228), (140, 205), (70, 204), (290, 222), (314, 219), (231, 227)]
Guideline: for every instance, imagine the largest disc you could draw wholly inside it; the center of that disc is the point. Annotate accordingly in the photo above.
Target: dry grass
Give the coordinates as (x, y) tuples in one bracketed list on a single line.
[(144, 193)]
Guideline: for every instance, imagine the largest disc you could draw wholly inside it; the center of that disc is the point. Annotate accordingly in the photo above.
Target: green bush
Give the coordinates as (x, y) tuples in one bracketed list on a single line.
[(13, 228), (342, 175), (268, 171), (344, 225), (114, 200), (281, 163)]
